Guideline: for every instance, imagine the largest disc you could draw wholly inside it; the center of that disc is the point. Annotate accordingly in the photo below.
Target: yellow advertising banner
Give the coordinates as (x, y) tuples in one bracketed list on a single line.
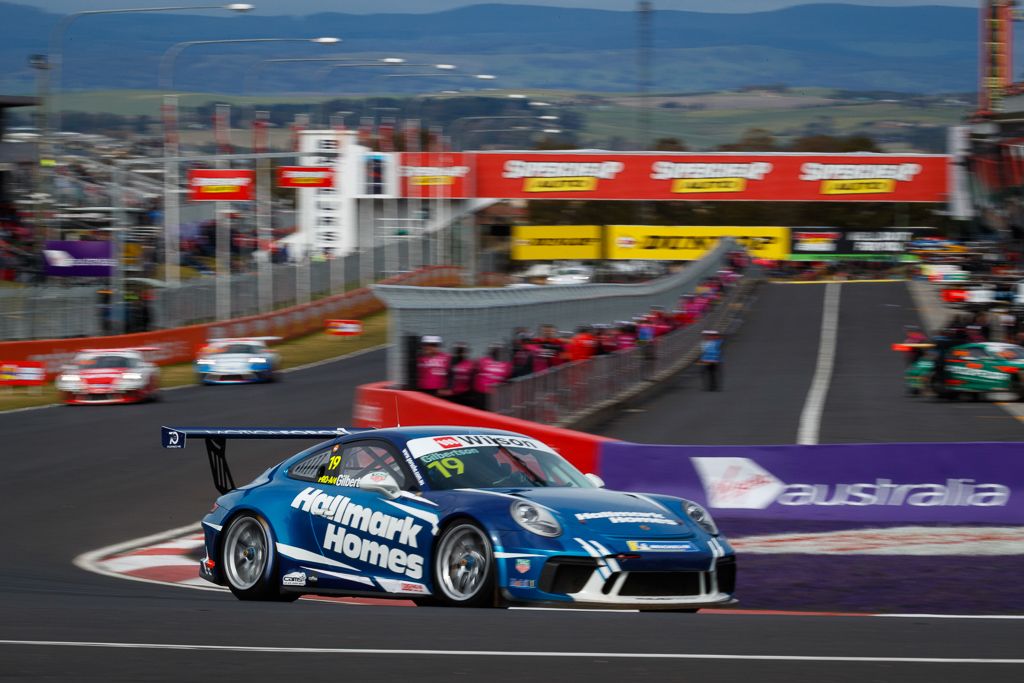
[(688, 243), (556, 242)]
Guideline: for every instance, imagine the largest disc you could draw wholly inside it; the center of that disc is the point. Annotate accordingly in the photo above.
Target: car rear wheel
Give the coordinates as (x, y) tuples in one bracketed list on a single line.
[(248, 559), (939, 388), (464, 567)]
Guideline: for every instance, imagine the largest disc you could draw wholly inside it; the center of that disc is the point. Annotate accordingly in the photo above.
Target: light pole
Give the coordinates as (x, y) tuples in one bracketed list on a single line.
[(171, 205), (464, 119), (170, 56), (57, 39)]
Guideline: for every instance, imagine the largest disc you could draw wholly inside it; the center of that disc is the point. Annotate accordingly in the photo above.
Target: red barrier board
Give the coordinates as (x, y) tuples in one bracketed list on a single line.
[(377, 405), (712, 177), (220, 185), (305, 176), (22, 374), (345, 328), (443, 175)]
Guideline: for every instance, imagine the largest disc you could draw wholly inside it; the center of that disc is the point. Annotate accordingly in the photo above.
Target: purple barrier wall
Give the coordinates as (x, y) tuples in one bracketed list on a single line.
[(915, 482)]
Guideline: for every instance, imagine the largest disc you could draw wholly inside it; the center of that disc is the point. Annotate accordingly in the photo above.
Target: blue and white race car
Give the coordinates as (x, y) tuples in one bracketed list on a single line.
[(237, 361), (451, 516)]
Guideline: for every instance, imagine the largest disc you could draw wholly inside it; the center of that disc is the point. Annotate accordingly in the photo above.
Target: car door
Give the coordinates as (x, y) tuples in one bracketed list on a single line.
[(383, 541)]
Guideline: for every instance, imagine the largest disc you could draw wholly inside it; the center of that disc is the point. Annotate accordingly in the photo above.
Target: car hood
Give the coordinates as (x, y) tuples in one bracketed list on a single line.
[(612, 513), (234, 357)]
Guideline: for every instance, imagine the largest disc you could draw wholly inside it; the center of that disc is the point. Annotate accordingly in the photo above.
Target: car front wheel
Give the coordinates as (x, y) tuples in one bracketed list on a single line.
[(464, 567)]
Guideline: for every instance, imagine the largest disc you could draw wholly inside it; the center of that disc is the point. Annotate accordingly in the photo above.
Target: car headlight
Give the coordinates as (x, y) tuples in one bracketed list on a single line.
[(131, 377), (535, 519), (206, 361), (700, 516), (70, 379), (255, 360)]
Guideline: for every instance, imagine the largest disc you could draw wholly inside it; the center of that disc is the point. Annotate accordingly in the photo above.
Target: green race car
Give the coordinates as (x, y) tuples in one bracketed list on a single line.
[(976, 368)]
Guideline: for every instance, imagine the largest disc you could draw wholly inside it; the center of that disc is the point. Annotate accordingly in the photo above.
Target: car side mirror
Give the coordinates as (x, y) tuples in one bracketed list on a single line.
[(595, 480), (382, 483)]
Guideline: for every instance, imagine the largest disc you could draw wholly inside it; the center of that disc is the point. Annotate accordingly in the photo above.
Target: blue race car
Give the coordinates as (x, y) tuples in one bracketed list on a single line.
[(451, 516), (237, 361)]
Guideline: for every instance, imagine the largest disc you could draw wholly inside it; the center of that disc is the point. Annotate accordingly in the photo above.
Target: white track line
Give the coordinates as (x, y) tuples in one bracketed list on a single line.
[(814, 405), (505, 653)]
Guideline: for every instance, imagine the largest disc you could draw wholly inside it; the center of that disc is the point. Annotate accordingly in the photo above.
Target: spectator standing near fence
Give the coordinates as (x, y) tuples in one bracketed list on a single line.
[(551, 347), (461, 373), (491, 370), (432, 366), (523, 356), (711, 359), (583, 345)]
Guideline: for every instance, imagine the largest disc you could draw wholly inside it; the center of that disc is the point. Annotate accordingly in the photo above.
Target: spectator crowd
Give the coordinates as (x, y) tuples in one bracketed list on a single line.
[(460, 377)]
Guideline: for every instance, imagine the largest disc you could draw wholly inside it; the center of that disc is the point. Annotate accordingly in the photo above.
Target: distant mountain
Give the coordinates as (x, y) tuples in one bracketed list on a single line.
[(913, 49)]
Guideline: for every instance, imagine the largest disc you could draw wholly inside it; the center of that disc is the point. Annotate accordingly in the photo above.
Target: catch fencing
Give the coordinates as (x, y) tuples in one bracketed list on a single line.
[(559, 395), (480, 317)]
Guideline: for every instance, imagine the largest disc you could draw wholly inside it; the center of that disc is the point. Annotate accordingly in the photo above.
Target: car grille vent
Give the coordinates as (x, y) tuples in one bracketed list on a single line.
[(656, 584), (566, 574)]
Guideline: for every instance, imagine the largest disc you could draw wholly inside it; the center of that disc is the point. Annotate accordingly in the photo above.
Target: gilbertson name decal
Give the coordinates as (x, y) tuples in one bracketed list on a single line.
[(689, 177), (858, 178), (344, 541), (741, 483), (561, 176)]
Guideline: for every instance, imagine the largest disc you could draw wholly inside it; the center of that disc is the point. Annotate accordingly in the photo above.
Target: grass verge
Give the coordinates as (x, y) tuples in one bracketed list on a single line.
[(311, 348)]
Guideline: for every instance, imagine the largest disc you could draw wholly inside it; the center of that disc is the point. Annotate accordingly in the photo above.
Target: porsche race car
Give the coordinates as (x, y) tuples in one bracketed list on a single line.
[(109, 376), (237, 361), (977, 368), (454, 516)]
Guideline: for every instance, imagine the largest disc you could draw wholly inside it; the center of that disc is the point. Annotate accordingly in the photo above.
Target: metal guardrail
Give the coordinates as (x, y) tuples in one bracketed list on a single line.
[(558, 394)]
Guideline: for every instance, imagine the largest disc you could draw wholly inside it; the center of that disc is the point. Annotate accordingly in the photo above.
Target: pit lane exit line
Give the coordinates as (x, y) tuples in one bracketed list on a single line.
[(814, 405), (505, 653)]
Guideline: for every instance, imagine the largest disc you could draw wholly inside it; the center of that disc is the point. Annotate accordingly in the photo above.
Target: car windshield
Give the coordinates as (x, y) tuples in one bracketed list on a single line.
[(486, 466), (1009, 352), (238, 348), (106, 362)]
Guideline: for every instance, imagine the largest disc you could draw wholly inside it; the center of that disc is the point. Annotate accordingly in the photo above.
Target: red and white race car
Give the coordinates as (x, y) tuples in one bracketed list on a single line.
[(99, 376)]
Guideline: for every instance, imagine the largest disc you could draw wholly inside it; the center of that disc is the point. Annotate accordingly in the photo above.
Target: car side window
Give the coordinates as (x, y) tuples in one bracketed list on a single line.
[(977, 352), (363, 457), (312, 468)]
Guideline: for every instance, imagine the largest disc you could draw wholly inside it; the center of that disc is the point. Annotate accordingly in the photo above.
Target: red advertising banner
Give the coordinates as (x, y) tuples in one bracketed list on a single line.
[(434, 175), (220, 185), (305, 176), (22, 373), (712, 177), (345, 328)]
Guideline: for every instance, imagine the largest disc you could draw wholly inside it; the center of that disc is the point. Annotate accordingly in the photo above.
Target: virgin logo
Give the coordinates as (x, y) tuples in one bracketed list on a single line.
[(737, 483)]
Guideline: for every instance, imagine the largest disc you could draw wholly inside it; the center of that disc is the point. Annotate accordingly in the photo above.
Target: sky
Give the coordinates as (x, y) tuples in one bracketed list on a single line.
[(278, 7)]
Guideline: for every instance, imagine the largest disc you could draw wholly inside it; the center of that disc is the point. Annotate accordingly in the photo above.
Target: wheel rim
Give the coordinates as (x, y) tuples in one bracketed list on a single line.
[(463, 562), (245, 553)]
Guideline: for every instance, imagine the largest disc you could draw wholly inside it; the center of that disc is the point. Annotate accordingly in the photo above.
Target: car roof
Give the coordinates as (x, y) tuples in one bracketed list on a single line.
[(418, 432)]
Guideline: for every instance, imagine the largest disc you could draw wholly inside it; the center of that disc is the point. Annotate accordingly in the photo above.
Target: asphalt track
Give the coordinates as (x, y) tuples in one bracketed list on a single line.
[(769, 366), (75, 479)]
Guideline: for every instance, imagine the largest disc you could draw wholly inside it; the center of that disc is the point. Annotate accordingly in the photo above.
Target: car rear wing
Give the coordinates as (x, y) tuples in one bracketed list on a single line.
[(216, 443)]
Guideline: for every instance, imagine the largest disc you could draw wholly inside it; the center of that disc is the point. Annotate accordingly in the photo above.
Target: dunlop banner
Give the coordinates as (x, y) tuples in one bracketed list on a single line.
[(688, 243), (555, 242), (723, 176)]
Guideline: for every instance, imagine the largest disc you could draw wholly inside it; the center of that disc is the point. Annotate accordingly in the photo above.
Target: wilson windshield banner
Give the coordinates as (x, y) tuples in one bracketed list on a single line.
[(712, 177), (904, 482)]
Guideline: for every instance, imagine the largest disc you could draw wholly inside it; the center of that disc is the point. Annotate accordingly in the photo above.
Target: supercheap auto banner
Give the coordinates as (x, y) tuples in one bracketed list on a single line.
[(434, 175), (914, 483), (689, 243), (555, 242), (711, 177), (220, 185)]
